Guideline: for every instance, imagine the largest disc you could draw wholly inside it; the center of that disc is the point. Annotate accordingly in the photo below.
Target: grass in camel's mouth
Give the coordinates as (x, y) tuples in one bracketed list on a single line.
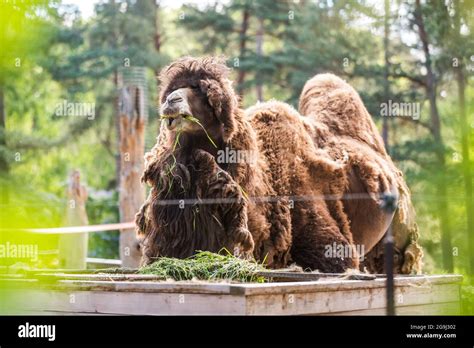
[(171, 118)]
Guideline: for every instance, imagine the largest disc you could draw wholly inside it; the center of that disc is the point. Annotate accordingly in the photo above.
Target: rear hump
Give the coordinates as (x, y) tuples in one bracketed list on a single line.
[(332, 101)]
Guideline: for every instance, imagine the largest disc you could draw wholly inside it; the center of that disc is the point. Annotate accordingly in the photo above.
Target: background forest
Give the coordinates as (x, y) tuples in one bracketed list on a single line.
[(417, 52)]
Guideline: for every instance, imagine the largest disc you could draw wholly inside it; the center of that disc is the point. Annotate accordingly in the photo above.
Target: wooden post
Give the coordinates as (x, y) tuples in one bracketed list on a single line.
[(389, 205), (132, 117), (73, 246)]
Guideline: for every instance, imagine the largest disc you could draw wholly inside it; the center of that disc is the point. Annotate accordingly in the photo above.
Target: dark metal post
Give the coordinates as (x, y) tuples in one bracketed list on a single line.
[(389, 204)]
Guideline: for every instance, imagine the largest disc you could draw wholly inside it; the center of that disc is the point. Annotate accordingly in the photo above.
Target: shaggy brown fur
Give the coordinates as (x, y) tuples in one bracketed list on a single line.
[(340, 124), (285, 206)]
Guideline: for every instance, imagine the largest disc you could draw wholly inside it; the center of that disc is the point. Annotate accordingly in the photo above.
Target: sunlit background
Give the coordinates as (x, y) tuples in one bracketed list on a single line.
[(75, 51)]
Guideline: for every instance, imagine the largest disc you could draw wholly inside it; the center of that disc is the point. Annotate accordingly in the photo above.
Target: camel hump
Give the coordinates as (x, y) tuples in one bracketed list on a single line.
[(272, 111), (330, 100), (320, 88)]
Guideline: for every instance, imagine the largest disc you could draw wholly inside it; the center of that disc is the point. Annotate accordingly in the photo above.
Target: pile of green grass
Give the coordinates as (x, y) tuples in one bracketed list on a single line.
[(206, 266)]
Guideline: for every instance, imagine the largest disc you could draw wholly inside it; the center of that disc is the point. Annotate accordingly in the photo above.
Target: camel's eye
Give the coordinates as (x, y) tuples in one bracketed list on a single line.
[(175, 100)]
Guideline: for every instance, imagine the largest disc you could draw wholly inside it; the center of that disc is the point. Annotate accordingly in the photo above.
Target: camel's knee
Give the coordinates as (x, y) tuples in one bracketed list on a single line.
[(412, 260)]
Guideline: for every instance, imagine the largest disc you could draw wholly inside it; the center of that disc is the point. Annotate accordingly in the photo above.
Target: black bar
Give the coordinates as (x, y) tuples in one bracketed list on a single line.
[(389, 204), (135, 331), (390, 293)]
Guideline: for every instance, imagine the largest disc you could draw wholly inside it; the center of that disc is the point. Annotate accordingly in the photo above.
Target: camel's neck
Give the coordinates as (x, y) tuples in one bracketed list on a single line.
[(187, 143), (209, 139), (235, 156)]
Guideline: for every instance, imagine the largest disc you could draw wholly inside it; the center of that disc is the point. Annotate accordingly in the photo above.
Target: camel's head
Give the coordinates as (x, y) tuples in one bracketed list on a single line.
[(197, 97), (187, 110)]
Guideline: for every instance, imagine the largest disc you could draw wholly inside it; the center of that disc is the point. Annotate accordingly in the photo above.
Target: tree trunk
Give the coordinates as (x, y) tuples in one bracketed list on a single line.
[(242, 47), (157, 34), (259, 39), (132, 116), (115, 77), (442, 203), (73, 246), (116, 124), (386, 72)]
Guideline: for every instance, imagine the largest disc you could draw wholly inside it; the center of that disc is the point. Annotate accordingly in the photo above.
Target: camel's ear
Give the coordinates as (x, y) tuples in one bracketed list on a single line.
[(222, 103)]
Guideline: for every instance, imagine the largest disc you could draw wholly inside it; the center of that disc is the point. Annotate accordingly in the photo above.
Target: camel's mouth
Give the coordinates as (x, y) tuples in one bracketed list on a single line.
[(184, 122), (174, 121)]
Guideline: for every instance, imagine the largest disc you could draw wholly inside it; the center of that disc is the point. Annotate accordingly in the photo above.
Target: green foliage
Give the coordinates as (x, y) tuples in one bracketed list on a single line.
[(66, 58), (102, 208), (22, 206), (467, 298)]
